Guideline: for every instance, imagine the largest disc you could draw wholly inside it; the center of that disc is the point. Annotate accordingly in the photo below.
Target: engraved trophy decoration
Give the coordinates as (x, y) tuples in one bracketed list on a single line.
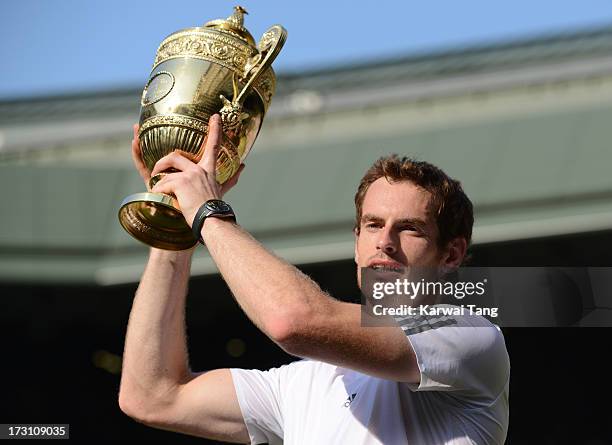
[(198, 72)]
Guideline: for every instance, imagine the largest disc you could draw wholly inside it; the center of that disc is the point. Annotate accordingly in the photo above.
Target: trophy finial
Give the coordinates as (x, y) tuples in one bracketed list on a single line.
[(237, 18), (234, 24)]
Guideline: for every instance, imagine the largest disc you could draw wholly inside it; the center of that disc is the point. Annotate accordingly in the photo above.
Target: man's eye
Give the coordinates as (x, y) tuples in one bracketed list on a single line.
[(372, 225), (414, 230), (411, 228)]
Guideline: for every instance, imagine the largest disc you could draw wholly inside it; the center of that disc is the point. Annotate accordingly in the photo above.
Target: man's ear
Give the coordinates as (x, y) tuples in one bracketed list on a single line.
[(356, 232), (455, 253)]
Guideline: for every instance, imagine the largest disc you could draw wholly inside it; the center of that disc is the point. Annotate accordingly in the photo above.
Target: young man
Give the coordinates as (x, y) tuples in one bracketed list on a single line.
[(358, 384)]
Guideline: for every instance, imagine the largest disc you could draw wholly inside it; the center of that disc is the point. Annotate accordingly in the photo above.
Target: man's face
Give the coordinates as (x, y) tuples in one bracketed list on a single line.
[(396, 228)]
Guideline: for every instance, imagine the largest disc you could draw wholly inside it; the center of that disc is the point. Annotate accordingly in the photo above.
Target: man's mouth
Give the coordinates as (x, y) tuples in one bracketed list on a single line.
[(387, 267)]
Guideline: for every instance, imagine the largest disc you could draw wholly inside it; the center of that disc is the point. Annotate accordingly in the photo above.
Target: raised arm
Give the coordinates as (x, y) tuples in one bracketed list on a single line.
[(157, 386), (295, 313), (284, 303)]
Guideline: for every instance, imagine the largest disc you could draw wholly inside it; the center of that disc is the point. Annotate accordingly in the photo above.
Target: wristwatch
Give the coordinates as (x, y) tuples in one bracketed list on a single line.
[(212, 207)]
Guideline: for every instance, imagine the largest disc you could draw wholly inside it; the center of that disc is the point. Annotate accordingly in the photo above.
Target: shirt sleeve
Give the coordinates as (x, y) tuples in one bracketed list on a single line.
[(470, 360), (260, 399)]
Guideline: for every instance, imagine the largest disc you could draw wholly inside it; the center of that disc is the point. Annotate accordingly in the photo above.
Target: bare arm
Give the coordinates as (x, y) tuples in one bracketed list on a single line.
[(157, 386), (155, 356), (285, 304), (294, 312)]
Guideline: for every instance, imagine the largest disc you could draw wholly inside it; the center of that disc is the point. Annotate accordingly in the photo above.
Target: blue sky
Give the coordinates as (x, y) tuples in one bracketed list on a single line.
[(57, 46)]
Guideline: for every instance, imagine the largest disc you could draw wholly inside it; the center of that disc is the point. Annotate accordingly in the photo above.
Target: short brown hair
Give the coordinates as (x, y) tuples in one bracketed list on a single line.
[(449, 203)]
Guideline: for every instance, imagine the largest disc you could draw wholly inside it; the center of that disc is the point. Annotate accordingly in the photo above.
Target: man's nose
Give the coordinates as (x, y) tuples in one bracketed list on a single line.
[(386, 242)]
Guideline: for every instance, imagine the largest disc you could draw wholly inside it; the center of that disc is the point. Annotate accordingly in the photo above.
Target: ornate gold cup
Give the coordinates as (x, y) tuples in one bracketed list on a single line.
[(198, 72)]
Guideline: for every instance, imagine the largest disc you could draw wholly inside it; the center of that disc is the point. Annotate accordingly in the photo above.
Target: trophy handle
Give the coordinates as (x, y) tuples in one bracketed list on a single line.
[(269, 46)]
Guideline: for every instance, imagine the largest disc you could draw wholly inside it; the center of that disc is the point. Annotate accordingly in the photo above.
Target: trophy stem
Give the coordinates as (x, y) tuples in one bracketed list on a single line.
[(156, 220)]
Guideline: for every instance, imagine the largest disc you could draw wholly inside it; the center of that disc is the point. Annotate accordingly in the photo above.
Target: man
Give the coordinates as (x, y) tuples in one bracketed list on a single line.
[(358, 384)]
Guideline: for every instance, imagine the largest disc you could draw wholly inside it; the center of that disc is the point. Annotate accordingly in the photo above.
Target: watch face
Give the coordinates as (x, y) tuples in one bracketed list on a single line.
[(217, 205)]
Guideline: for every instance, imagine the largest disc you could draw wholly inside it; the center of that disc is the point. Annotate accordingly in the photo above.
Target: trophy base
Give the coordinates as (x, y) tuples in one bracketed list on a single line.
[(155, 219)]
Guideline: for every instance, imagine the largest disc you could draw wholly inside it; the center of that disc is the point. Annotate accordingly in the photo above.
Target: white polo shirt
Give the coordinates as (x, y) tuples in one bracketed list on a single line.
[(462, 397)]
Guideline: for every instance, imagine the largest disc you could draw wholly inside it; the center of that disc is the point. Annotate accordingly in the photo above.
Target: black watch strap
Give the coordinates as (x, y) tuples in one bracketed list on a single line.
[(212, 207)]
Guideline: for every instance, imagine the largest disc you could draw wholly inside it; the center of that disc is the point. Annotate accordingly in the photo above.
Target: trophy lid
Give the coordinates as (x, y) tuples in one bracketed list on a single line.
[(234, 24)]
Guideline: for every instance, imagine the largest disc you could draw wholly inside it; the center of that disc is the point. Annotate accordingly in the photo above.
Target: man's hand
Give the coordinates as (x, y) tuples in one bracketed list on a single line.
[(194, 184)]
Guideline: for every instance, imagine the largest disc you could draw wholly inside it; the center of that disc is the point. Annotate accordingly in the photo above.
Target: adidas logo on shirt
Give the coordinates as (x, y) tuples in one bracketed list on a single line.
[(349, 400)]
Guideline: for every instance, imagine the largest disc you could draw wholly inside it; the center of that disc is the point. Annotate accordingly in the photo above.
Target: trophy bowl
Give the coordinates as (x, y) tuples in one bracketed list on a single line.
[(198, 72)]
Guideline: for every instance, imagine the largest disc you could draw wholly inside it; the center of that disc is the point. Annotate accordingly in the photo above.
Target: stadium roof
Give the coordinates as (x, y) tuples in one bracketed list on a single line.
[(526, 129)]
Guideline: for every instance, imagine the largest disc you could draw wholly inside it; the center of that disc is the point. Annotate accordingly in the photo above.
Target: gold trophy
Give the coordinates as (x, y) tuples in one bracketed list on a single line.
[(198, 72)]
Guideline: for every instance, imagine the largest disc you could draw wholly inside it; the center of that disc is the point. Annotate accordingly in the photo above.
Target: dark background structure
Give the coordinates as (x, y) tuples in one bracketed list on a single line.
[(62, 349)]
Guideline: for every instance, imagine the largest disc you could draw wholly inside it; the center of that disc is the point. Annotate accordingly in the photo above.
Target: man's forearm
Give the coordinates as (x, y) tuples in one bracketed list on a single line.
[(273, 293), (155, 357)]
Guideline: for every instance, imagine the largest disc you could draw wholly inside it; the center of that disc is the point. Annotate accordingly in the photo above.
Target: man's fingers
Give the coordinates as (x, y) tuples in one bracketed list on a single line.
[(213, 141), (172, 160), (164, 185), (137, 156)]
